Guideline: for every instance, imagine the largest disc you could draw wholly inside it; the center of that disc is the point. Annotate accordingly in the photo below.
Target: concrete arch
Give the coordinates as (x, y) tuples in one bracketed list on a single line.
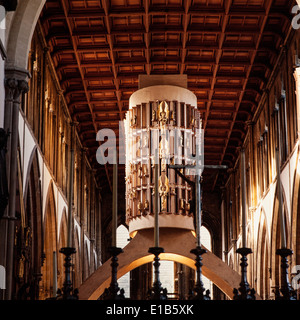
[(20, 32), (177, 244)]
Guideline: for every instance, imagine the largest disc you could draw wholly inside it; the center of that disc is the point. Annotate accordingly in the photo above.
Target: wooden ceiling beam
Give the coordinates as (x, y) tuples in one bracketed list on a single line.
[(64, 7), (186, 20), (147, 36), (105, 5), (261, 32)]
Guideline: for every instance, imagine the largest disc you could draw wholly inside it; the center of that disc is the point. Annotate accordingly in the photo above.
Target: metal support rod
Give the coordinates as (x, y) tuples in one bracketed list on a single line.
[(115, 200), (112, 293), (198, 208), (68, 293), (286, 291), (157, 292), (244, 292), (244, 211), (280, 202), (156, 201), (198, 291)]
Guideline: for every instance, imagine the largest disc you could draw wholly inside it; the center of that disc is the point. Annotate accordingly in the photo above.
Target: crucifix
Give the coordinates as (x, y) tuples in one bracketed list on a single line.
[(196, 208)]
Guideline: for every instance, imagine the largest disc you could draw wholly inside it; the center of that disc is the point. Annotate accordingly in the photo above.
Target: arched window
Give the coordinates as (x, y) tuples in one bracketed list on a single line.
[(122, 241), (206, 242)]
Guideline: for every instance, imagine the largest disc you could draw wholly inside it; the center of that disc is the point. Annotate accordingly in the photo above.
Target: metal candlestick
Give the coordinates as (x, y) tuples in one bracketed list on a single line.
[(286, 291), (244, 292), (157, 292), (112, 293), (67, 292), (198, 291)]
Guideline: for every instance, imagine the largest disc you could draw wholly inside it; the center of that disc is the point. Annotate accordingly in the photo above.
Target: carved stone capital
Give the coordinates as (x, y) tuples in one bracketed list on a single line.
[(16, 83), (15, 88), (11, 85)]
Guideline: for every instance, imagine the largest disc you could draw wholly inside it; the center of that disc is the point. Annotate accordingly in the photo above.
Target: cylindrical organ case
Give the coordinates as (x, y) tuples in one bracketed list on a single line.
[(161, 120)]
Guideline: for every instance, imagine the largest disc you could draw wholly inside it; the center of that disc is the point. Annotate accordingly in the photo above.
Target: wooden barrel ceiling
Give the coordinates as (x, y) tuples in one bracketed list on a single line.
[(227, 48)]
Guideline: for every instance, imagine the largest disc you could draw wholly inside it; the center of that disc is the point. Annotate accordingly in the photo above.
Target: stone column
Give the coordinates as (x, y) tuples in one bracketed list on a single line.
[(82, 208), (92, 221), (15, 85), (98, 227), (223, 238), (297, 92), (253, 171)]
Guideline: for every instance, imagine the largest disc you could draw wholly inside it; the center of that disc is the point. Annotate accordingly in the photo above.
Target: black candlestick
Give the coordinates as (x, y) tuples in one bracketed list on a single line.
[(286, 291), (112, 293), (67, 292), (244, 292), (157, 292), (198, 291)]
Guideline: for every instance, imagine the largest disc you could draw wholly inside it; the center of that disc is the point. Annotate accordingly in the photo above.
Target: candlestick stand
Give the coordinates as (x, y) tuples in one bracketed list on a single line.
[(67, 292), (244, 292), (286, 291), (112, 293), (157, 292), (198, 291)]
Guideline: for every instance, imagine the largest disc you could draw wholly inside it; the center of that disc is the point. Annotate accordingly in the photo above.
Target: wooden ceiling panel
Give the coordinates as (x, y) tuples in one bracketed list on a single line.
[(227, 48)]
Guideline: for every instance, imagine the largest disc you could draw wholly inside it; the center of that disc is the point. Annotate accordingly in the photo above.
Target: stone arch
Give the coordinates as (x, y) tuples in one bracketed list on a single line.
[(29, 234), (50, 243), (212, 224), (27, 170), (20, 32), (177, 244), (262, 258), (62, 243), (276, 238), (295, 217), (77, 265), (34, 219), (86, 261)]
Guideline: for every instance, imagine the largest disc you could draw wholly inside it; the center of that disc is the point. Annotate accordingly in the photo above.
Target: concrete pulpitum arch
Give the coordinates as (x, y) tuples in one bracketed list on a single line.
[(20, 31), (177, 244)]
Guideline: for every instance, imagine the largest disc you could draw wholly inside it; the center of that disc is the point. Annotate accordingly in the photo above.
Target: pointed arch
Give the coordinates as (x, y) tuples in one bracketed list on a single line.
[(276, 238), (32, 234), (62, 242), (50, 243), (77, 270), (262, 258), (295, 216)]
